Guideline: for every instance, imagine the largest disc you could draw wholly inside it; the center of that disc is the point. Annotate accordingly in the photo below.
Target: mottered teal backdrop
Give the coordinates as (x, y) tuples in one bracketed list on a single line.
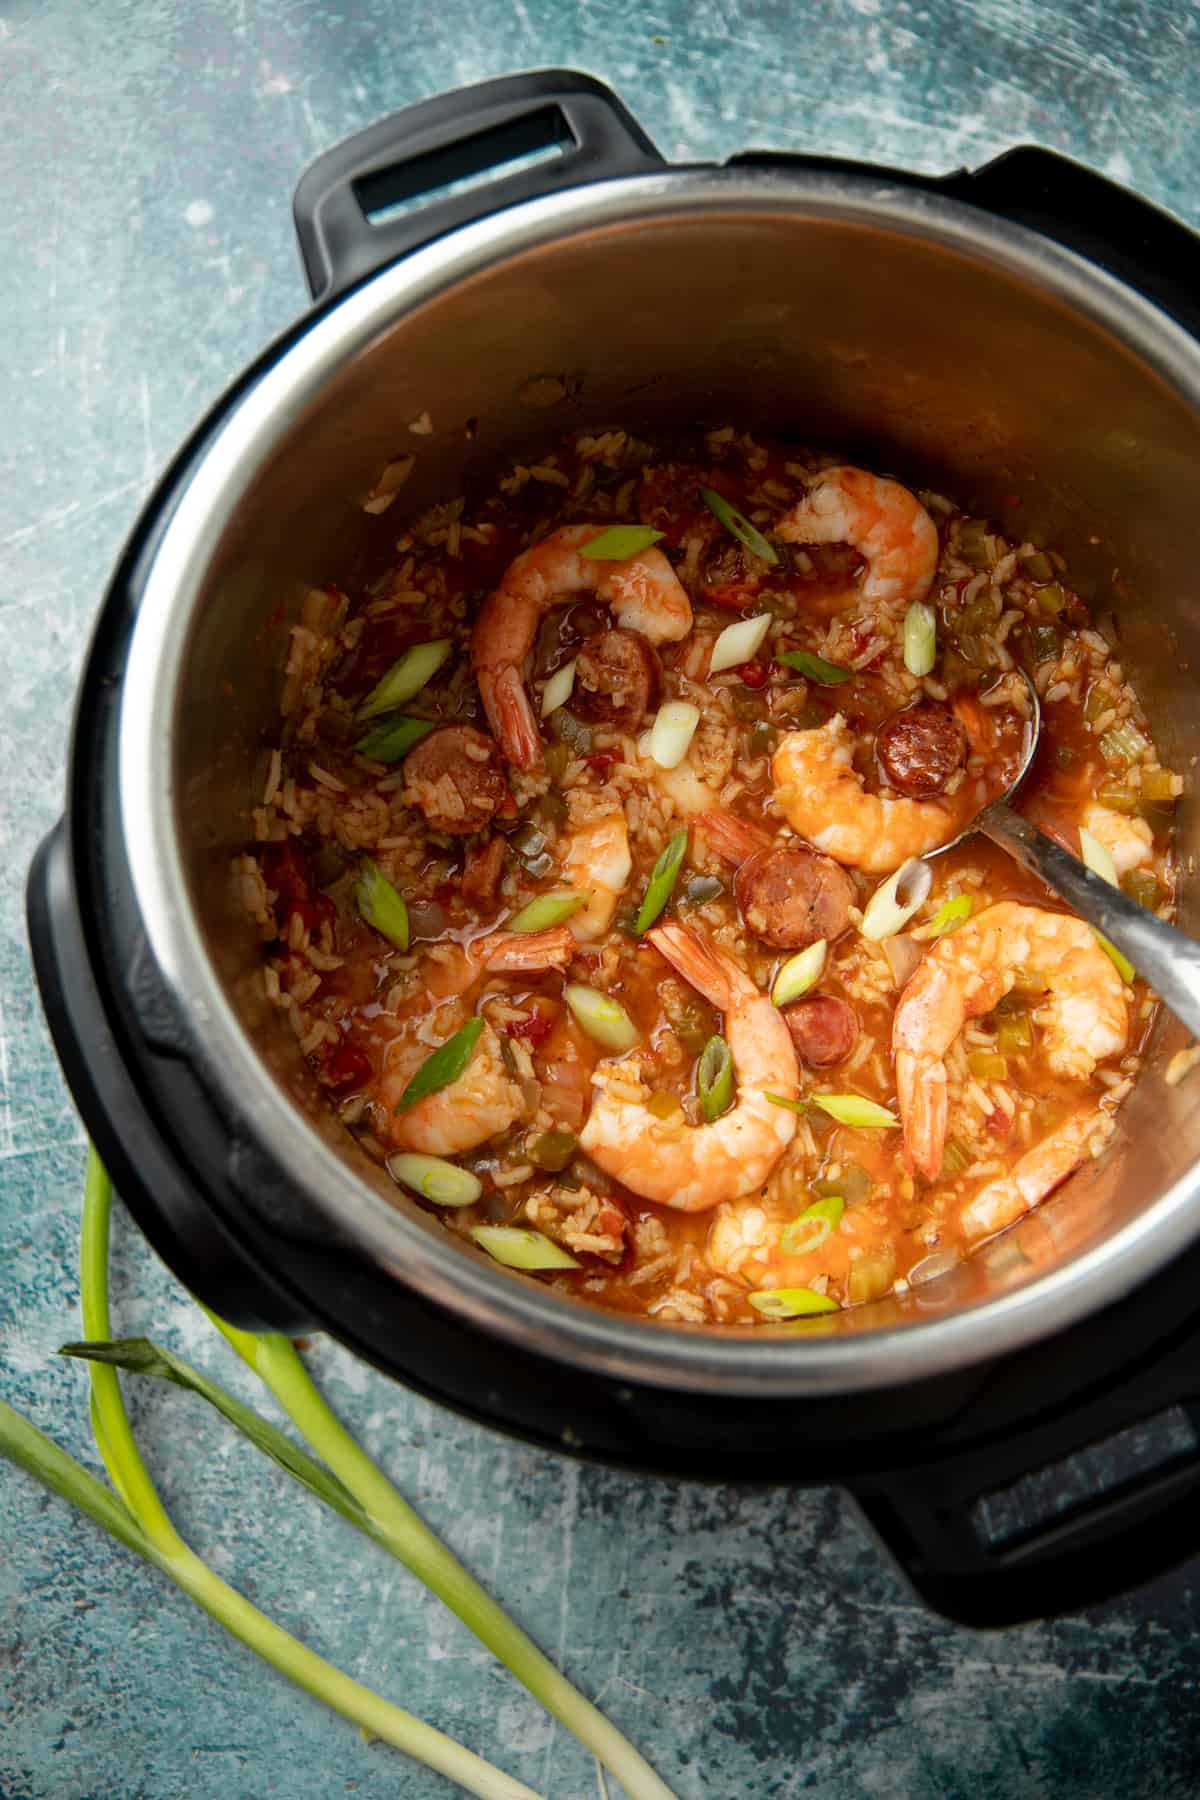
[(751, 1644)]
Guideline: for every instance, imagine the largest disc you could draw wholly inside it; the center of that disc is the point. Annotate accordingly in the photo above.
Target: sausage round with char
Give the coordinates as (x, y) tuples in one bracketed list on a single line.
[(920, 748), (454, 776), (617, 676), (790, 896), (824, 1029)]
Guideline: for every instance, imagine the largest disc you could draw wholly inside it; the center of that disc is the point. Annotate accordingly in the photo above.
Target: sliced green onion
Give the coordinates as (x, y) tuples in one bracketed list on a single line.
[(799, 973), (920, 638), (814, 667), (443, 1067), (406, 677), (546, 910), (714, 1079), (601, 1017), (517, 1248), (854, 1109), (814, 1225), (672, 732), (739, 526), (893, 904), (739, 643), (1097, 857), (380, 905), (389, 742), (435, 1179), (796, 1106), (790, 1303), (1121, 964), (620, 542), (950, 915), (662, 881), (557, 690)]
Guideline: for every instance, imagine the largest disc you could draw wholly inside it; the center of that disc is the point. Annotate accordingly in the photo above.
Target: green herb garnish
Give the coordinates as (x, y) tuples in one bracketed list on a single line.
[(390, 742), (443, 1067), (406, 677), (714, 1079), (739, 526), (804, 662), (662, 881), (380, 904)]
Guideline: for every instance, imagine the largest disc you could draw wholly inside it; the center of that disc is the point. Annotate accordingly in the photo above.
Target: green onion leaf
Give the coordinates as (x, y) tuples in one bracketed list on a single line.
[(620, 542), (1120, 963), (790, 1303), (799, 973), (814, 1225), (520, 1249), (1097, 857), (549, 909), (920, 638), (714, 1079), (380, 905), (854, 1109), (601, 1017), (435, 1179), (662, 882), (950, 915), (389, 742), (739, 526), (443, 1067), (406, 677), (814, 667), (796, 1106)]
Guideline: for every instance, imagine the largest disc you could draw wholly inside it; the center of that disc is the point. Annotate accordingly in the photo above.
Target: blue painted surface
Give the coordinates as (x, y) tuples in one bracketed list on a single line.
[(751, 1644)]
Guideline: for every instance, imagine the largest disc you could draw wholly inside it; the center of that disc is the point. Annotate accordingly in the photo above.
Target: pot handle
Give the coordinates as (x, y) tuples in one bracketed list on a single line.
[(345, 203), (1066, 1515)]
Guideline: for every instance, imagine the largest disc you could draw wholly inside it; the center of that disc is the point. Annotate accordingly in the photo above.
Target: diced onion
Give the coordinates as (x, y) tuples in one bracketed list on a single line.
[(891, 906), (547, 910), (435, 1179), (603, 1018), (739, 643), (855, 1109), (790, 1303), (903, 957), (799, 973), (672, 732), (920, 638), (1097, 857), (557, 690), (520, 1249)]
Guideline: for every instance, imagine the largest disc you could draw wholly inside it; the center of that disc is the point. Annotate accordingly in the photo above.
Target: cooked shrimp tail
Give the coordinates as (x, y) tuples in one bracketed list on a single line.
[(733, 838), (524, 951), (510, 715)]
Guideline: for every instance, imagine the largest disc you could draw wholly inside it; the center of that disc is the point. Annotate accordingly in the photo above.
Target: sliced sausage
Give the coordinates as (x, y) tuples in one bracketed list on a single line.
[(791, 896), (824, 1029), (482, 868), (920, 748), (617, 678), (454, 776)]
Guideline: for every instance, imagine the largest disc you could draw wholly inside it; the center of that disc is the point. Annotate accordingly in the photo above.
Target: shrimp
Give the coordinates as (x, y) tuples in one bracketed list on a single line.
[(643, 591), (598, 859), (1084, 1017), (880, 519), (1083, 1133), (460, 967), (694, 1168), (1130, 842), (483, 1102), (733, 839), (822, 797)]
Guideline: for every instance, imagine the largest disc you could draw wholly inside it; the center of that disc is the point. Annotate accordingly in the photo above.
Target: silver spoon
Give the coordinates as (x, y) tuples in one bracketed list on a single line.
[(1164, 957)]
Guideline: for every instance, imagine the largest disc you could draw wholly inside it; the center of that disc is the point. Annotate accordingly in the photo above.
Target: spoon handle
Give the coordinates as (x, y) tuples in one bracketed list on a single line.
[(1164, 957)]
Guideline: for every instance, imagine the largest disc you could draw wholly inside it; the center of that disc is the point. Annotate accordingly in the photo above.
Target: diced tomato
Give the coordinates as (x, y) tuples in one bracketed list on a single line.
[(535, 1029), (344, 1066), (508, 808), (999, 1123), (286, 869), (601, 761), (753, 674)]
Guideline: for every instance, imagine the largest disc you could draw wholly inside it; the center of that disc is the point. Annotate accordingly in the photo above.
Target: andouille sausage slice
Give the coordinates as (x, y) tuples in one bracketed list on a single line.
[(482, 868), (617, 678), (920, 748), (454, 776), (790, 896), (824, 1029)]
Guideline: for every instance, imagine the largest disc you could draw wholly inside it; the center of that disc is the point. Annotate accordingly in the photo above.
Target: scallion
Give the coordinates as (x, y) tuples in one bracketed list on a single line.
[(441, 1182), (619, 542), (406, 677), (392, 741), (517, 1248), (672, 732), (557, 690), (799, 973), (380, 904), (546, 910), (739, 643), (442, 1068), (814, 668), (895, 901), (601, 1017), (714, 1079), (739, 526), (854, 1109), (1097, 857), (790, 1303), (920, 638), (1120, 963), (950, 915), (816, 1223), (796, 1106), (662, 881)]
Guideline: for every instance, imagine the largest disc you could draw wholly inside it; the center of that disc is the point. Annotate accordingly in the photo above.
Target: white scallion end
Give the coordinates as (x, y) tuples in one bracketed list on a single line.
[(920, 638), (799, 973), (1097, 857), (739, 643), (672, 733), (893, 904), (557, 690), (441, 1182)]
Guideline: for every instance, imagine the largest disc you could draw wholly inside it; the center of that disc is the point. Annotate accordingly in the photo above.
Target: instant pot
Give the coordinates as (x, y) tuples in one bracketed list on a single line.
[(516, 261)]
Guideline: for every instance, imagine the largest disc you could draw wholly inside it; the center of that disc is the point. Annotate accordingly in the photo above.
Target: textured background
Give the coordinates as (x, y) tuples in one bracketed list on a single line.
[(751, 1644)]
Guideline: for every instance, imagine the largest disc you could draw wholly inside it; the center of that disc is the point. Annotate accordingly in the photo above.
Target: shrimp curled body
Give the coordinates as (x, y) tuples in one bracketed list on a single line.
[(694, 1168), (822, 797), (886, 524), (644, 592), (1084, 1017), (1002, 1201)]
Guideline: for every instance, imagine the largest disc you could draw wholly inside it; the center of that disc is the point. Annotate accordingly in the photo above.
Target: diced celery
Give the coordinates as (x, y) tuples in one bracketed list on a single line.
[(1014, 1034), (986, 1065)]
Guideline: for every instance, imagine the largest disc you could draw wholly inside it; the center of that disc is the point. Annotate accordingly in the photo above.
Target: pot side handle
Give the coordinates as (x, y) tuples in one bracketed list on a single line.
[(347, 205)]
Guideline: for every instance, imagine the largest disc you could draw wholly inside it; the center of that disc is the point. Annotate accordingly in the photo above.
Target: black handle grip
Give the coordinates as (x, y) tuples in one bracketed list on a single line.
[(1066, 1515), (340, 202)]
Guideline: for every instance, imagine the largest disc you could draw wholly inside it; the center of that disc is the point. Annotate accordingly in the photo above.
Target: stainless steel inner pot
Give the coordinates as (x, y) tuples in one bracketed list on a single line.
[(900, 328)]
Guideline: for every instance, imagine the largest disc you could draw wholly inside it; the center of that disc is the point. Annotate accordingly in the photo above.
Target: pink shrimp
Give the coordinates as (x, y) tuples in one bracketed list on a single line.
[(877, 517), (1002, 1201), (643, 591)]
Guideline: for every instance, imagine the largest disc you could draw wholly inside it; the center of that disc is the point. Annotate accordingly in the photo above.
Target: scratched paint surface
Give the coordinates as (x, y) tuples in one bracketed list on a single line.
[(752, 1644)]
